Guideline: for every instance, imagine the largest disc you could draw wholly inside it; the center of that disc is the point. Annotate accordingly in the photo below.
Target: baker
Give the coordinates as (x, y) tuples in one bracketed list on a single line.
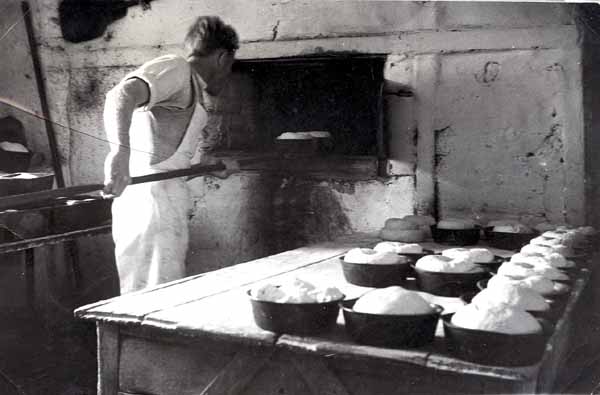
[(156, 120)]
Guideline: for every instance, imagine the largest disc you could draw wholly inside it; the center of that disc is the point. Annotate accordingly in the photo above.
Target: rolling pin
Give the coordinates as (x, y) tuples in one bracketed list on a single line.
[(14, 201)]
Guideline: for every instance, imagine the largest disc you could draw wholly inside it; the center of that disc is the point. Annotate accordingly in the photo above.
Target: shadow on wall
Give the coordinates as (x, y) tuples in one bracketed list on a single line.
[(306, 212)]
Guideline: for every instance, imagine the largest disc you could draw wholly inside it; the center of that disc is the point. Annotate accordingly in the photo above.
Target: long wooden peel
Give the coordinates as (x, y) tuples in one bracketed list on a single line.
[(14, 201)]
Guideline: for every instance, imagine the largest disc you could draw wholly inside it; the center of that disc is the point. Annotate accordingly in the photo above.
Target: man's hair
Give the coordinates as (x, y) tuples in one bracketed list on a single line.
[(209, 33)]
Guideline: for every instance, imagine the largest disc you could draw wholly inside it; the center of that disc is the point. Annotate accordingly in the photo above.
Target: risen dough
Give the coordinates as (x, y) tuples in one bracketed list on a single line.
[(512, 228), (297, 291), (478, 255), (554, 259), (535, 249), (393, 300), (520, 269), (444, 264), (539, 284), (499, 318), (512, 295), (398, 247), (370, 256)]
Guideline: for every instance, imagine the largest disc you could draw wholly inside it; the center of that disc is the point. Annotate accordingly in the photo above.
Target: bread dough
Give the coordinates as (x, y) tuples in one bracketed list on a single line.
[(477, 255), (398, 247), (499, 318), (520, 269), (393, 300), (539, 284), (535, 249), (444, 264), (513, 228), (555, 260), (512, 295), (502, 222), (370, 256), (297, 291)]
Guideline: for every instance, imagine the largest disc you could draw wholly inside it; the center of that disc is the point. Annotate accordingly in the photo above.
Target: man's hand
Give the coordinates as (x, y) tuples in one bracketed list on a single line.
[(116, 173), (231, 166)]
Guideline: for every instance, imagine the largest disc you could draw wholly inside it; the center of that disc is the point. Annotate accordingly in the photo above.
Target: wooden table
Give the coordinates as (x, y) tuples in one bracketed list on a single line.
[(198, 336)]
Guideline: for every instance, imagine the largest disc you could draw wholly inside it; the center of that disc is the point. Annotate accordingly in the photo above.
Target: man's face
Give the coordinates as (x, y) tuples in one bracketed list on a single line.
[(225, 60)]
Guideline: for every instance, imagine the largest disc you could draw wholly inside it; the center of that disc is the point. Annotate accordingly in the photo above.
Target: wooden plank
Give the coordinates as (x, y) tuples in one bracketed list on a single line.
[(108, 359), (237, 374), (317, 375), (53, 239), (134, 307)]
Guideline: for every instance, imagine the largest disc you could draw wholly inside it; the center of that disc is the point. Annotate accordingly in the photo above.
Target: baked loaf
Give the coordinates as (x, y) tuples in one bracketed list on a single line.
[(393, 300), (398, 247), (498, 318), (512, 295), (298, 291), (456, 224), (444, 264), (370, 256)]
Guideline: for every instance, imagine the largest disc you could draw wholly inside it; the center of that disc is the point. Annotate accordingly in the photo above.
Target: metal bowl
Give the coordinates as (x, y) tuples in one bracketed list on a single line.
[(448, 284), (507, 240), (375, 275), (392, 331), (493, 348), (295, 318)]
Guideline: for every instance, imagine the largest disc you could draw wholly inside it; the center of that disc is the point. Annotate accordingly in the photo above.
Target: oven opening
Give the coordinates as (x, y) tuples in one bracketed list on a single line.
[(338, 94)]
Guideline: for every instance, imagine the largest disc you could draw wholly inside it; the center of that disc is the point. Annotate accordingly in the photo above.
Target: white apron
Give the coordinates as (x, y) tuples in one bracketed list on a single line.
[(150, 220)]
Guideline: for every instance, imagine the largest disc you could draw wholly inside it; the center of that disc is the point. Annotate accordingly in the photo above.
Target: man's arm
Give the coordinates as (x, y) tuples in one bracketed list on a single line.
[(120, 103)]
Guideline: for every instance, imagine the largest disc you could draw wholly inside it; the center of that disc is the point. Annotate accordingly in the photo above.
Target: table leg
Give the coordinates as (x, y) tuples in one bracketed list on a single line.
[(108, 358), (30, 278)]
